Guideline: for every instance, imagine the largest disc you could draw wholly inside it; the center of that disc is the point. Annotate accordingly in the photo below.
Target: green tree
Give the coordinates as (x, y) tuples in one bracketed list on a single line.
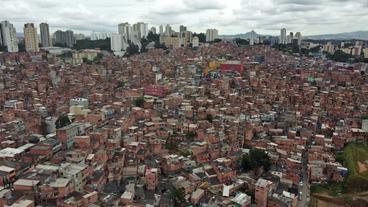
[(153, 37), (241, 41), (340, 56), (144, 43), (62, 121), (201, 37), (190, 135), (43, 128), (93, 44), (177, 195), (132, 49), (246, 163), (209, 118), (98, 58), (255, 159), (120, 84), (315, 49), (139, 102)]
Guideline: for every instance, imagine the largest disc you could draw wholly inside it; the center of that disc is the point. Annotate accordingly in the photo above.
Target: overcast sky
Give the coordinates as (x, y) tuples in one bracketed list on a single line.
[(228, 16)]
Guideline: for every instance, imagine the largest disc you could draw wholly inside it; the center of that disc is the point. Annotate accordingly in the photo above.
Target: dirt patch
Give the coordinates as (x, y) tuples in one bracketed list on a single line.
[(362, 167)]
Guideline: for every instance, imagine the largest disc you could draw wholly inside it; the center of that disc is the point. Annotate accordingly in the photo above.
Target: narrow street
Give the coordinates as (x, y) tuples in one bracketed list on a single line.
[(305, 189)]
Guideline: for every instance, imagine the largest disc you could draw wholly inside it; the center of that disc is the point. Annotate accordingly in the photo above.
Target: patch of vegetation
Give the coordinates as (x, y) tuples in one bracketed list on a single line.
[(241, 41), (93, 44), (186, 153), (43, 128), (355, 181), (177, 195), (255, 159), (190, 135), (62, 121), (201, 37), (332, 188), (209, 118), (120, 84), (171, 146), (132, 49), (139, 102)]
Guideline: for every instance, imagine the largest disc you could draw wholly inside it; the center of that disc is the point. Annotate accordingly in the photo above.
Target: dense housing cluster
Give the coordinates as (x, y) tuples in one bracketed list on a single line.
[(220, 125)]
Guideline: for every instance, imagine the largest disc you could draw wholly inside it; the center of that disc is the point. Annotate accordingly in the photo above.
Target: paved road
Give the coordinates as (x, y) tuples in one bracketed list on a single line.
[(304, 201)]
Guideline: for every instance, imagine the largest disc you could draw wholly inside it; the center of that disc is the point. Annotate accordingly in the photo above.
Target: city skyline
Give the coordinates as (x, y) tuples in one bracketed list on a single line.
[(233, 17)]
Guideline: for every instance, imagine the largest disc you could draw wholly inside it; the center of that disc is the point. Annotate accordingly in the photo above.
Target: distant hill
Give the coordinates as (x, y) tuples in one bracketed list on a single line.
[(242, 36), (360, 35)]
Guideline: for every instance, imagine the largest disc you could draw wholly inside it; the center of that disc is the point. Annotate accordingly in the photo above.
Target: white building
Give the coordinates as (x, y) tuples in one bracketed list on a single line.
[(298, 36), (8, 36), (140, 30), (168, 30), (195, 42), (126, 31), (283, 38), (253, 38), (161, 29), (290, 38), (116, 43), (211, 35)]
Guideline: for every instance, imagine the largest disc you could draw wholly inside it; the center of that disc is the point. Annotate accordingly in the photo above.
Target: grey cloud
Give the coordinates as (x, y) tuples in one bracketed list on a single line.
[(229, 16), (203, 4)]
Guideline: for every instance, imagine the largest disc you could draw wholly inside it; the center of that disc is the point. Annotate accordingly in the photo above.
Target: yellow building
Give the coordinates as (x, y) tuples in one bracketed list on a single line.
[(365, 51), (346, 50), (31, 38), (88, 54), (172, 42)]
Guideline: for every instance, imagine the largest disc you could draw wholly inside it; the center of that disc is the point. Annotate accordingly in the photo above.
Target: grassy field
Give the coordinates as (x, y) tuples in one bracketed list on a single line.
[(357, 179)]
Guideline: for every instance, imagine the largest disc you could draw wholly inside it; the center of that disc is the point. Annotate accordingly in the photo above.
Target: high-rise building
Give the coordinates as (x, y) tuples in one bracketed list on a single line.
[(283, 38), (253, 38), (59, 38), (195, 42), (45, 35), (64, 39), (290, 38), (298, 36), (186, 37), (31, 38), (211, 35), (8, 36), (116, 43), (161, 29), (126, 30), (168, 30), (1, 37), (140, 30), (329, 48), (70, 40), (365, 50), (182, 28)]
